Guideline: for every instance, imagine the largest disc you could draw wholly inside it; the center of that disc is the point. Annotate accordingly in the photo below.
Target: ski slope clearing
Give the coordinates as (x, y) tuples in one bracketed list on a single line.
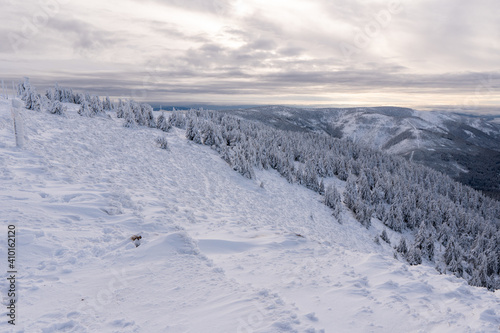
[(219, 252)]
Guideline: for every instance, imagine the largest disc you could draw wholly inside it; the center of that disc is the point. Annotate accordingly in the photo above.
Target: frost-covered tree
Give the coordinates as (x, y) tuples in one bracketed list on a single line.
[(402, 247), (424, 241), (192, 131), (333, 200), (120, 109), (107, 105), (414, 256), (394, 219), (162, 123), (241, 165), (85, 109), (453, 258), (23, 88), (351, 193), (147, 112), (96, 105), (384, 237), (37, 103), (57, 108), (79, 98), (50, 94), (140, 118), (177, 119), (128, 115), (161, 141), (57, 93)]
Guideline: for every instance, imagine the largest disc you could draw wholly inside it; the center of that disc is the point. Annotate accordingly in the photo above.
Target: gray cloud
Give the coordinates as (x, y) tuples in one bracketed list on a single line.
[(171, 31), (232, 81), (82, 36), (210, 6), (443, 49)]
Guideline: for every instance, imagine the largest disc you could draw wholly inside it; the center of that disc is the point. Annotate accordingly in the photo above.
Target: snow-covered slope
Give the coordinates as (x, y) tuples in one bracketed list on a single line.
[(219, 252)]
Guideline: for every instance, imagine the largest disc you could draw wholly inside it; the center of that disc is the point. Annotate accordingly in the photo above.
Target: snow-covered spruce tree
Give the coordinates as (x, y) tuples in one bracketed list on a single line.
[(49, 93), (107, 105), (384, 237), (33, 99), (128, 115), (424, 241), (414, 256), (162, 123), (177, 119), (137, 112), (96, 105), (354, 201), (480, 277), (45, 102), (161, 141), (61, 94), (37, 104), (402, 247), (210, 134), (23, 88), (453, 258), (321, 187), (57, 108), (394, 219), (351, 193), (88, 97), (57, 93), (241, 165), (149, 118), (68, 96), (363, 214), (333, 200), (310, 177), (192, 130), (120, 109), (85, 110), (79, 98)]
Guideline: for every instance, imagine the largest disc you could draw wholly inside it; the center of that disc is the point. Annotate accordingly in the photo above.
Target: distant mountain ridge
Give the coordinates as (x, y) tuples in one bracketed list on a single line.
[(466, 147)]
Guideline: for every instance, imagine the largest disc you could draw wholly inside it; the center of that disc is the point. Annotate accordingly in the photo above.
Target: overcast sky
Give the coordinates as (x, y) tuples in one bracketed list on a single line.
[(336, 52)]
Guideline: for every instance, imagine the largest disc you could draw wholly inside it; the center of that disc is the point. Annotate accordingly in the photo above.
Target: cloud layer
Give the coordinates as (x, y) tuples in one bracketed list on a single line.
[(254, 51)]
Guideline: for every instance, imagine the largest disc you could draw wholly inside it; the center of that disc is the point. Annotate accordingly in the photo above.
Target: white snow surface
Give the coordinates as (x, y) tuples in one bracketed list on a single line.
[(218, 253)]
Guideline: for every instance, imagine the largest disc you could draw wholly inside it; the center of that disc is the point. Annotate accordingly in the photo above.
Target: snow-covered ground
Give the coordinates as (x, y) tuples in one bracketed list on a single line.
[(219, 252)]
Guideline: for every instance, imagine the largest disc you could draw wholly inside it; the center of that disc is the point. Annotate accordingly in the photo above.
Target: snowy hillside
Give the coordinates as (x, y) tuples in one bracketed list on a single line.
[(219, 252)]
